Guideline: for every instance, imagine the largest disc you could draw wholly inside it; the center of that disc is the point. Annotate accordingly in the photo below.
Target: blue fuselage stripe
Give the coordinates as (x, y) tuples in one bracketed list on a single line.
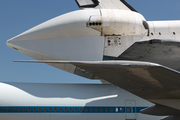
[(69, 109)]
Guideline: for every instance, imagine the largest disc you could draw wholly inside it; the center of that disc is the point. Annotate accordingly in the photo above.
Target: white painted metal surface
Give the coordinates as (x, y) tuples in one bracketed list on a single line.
[(54, 95), (116, 45), (66, 36), (62, 38), (112, 4), (118, 22), (83, 35), (168, 30)]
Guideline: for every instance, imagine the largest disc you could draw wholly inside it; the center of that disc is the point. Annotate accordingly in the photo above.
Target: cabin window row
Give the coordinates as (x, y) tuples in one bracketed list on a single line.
[(56, 109)]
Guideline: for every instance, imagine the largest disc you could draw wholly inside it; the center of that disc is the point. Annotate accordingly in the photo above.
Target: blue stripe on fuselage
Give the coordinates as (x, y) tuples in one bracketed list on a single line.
[(69, 109)]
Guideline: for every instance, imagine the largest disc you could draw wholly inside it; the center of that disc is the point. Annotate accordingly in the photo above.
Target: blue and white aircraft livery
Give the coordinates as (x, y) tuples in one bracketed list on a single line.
[(136, 60)]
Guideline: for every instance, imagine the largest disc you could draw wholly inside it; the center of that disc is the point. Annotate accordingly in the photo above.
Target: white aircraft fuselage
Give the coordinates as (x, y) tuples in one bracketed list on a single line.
[(91, 35), (24, 101)]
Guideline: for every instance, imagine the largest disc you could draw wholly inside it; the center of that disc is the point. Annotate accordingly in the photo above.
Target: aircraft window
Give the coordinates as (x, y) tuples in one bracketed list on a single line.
[(75, 109), (70, 109), (24, 109), (39, 109), (116, 109), (50, 109), (159, 33), (86, 109), (60, 109), (13, 109), (111, 109), (96, 109), (81, 109), (3, 109), (174, 33), (19, 109), (55, 109), (128, 109), (121, 109), (106, 109), (45, 109), (65, 109), (29, 109), (91, 109), (152, 34), (34, 109), (101, 109), (8, 109)]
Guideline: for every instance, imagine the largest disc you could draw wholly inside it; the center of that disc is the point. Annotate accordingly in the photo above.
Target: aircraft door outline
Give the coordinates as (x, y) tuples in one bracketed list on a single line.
[(130, 110)]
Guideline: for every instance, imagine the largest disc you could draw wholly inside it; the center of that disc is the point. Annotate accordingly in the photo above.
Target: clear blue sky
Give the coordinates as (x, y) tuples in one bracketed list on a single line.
[(17, 16)]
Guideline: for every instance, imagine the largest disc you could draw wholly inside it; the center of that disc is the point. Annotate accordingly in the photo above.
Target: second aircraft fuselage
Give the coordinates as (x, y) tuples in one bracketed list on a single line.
[(20, 101)]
